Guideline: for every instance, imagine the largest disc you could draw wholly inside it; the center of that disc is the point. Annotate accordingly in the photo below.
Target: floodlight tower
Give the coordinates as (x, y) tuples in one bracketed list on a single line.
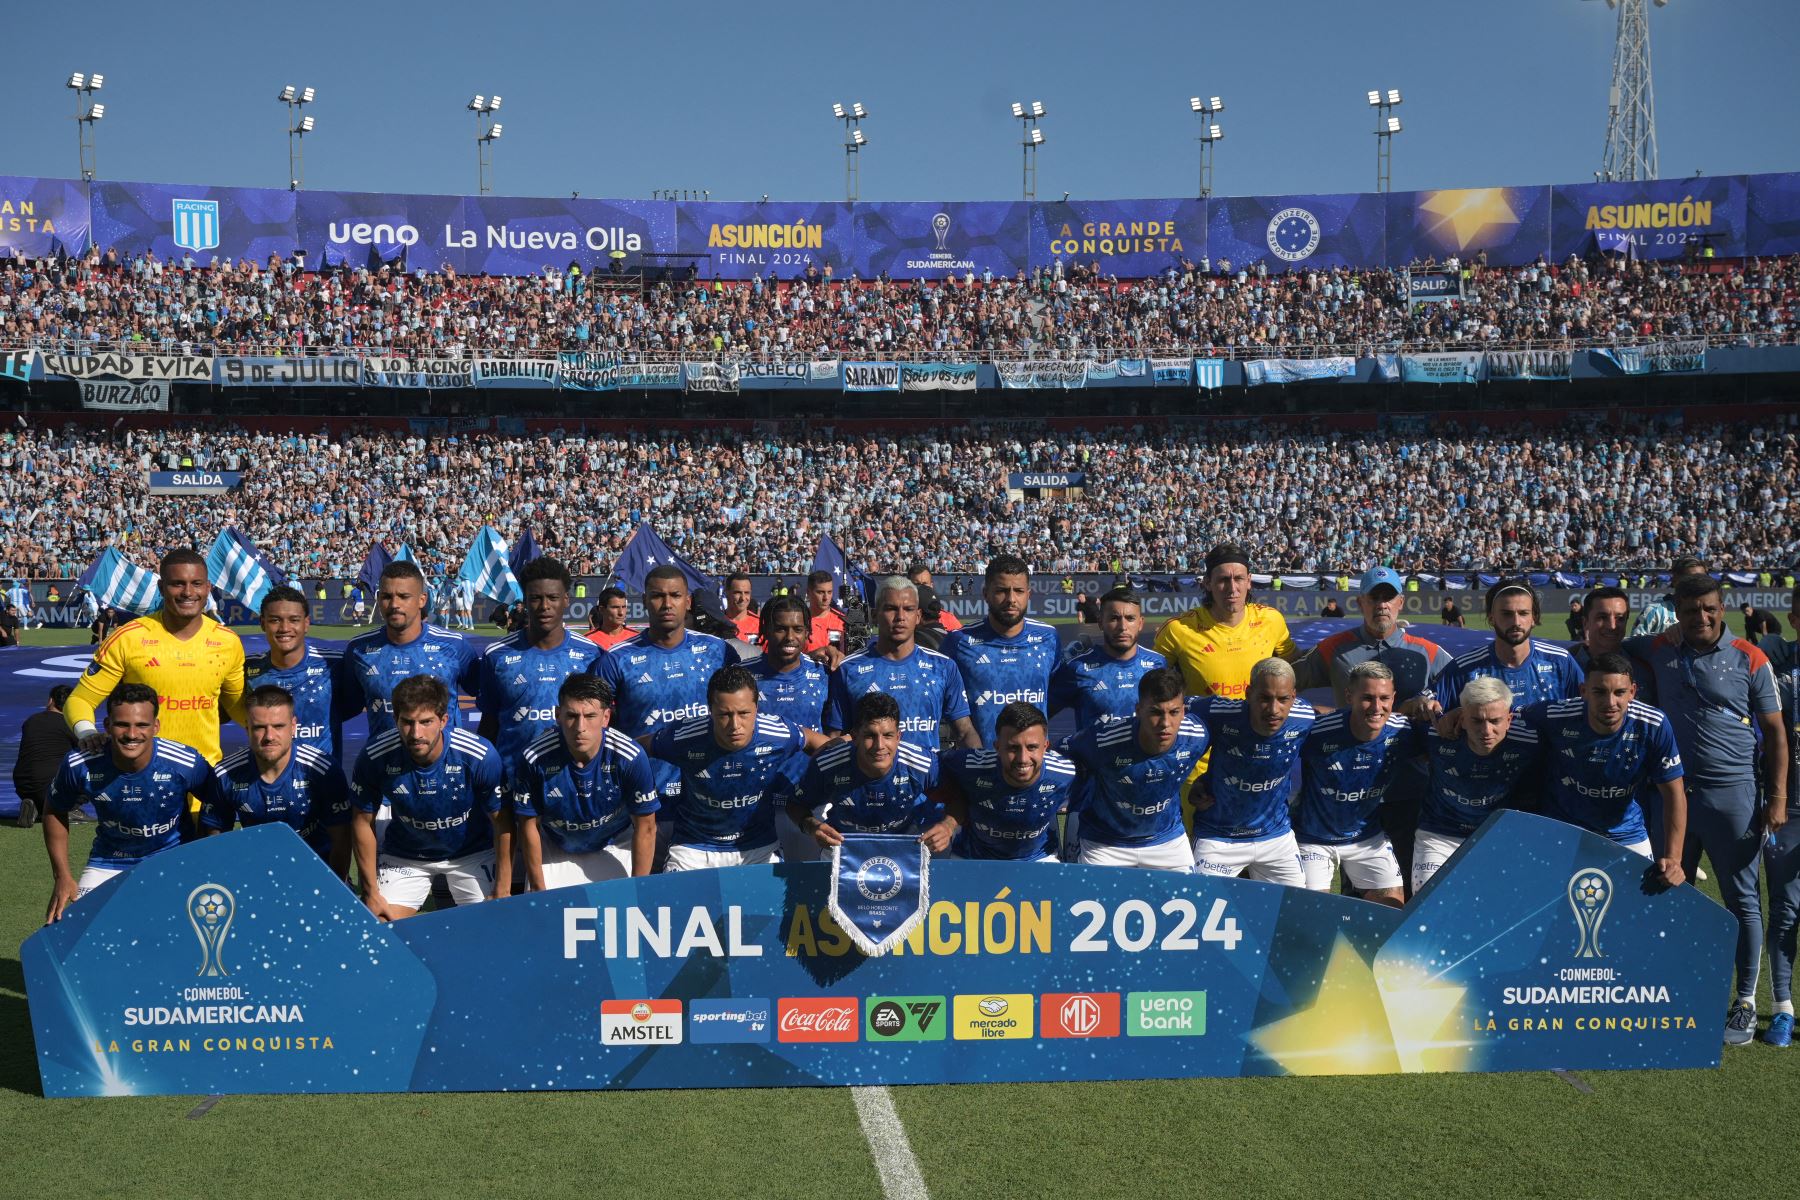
[(1631, 101), (1384, 101), (1210, 135), (488, 132), (299, 126), (854, 141), (87, 115), (1034, 137)]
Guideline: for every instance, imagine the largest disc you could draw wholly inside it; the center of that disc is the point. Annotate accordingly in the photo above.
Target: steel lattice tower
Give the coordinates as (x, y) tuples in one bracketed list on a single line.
[(1631, 103)]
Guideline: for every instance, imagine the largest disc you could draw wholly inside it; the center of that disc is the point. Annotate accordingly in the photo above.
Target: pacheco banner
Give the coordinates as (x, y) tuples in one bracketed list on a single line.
[(240, 964)]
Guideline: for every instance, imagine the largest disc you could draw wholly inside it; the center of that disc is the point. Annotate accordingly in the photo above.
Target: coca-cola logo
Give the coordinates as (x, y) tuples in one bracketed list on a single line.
[(827, 1019)]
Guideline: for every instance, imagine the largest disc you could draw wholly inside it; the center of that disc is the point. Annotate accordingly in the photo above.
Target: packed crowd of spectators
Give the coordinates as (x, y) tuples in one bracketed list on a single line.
[(1626, 493), (1204, 308)]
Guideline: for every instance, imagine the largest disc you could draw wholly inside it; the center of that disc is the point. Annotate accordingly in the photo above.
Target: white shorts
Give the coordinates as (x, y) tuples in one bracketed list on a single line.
[(92, 877), (1430, 852), (1171, 855), (406, 882), (698, 858), (1370, 865), (597, 866), (1642, 848), (1273, 860)]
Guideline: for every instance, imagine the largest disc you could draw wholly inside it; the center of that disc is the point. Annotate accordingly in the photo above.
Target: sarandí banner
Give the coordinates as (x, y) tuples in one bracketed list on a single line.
[(937, 377), (1042, 373), (517, 372), (173, 367), (146, 395), (380, 371), (1172, 372), (18, 364), (881, 887), (1529, 364), (711, 377), (41, 218), (1297, 370), (871, 377), (240, 964), (298, 371), (588, 371), (1464, 367)]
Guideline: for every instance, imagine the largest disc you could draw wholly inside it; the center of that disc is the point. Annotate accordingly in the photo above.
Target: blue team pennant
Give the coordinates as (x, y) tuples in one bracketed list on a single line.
[(880, 888)]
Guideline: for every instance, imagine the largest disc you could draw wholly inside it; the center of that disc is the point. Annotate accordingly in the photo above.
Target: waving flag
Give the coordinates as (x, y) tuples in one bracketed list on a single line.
[(523, 551), (404, 554), (240, 571), (370, 575), (849, 579), (117, 582), (485, 568), (645, 552)]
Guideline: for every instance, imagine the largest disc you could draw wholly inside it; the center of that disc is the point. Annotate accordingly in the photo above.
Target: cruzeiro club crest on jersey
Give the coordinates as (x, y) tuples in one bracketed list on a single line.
[(1293, 234), (196, 224)]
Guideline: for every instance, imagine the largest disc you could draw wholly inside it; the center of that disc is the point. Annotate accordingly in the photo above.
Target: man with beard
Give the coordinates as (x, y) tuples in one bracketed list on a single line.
[(1003, 803), (281, 779), (404, 646), (1414, 661), (1604, 617), (1006, 658), (1535, 670), (1101, 682)]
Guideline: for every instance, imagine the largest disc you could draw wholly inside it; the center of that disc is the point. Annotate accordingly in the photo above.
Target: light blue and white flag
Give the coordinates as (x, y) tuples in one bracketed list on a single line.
[(486, 568), (1209, 373), (240, 571), (117, 582)]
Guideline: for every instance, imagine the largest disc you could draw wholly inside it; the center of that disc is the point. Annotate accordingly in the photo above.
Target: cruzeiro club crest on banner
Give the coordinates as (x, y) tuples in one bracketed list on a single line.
[(210, 908), (196, 224), (880, 888), (1293, 234), (1590, 895)]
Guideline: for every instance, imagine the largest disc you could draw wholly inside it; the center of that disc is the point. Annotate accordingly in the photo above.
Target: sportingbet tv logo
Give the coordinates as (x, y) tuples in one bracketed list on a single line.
[(1590, 895), (210, 908)]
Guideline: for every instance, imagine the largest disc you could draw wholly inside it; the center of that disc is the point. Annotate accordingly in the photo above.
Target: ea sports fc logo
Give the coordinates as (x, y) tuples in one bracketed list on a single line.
[(1293, 234), (879, 878)]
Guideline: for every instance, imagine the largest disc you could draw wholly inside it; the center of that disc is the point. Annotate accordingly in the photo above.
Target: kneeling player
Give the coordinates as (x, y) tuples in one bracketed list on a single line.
[(732, 763), (583, 799), (874, 783), (1347, 762), (1472, 774), (138, 784), (443, 786), (1003, 803), (1130, 775), (280, 779), (1600, 749), (1241, 822)]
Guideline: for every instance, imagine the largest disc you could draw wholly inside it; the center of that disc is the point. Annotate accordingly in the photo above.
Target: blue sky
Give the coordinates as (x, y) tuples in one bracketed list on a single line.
[(736, 97)]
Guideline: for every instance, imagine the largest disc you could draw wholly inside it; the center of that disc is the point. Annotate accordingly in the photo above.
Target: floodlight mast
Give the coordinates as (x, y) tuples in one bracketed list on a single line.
[(487, 132), (1384, 101), (87, 115), (1210, 135), (854, 141), (298, 126), (1029, 116)]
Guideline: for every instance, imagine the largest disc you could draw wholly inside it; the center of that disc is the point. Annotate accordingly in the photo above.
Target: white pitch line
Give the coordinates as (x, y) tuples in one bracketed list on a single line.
[(894, 1161)]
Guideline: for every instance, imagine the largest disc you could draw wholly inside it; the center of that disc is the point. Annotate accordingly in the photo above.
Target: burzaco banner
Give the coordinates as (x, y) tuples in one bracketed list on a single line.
[(241, 964)]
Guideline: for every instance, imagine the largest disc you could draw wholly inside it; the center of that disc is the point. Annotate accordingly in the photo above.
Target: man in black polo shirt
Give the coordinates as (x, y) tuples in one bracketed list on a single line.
[(44, 742)]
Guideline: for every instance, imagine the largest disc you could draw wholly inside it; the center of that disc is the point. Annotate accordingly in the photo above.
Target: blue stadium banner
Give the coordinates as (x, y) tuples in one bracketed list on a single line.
[(589, 371), (1774, 214), (239, 964), (40, 218), (177, 222), (1209, 373), (1662, 218), (871, 376), (1133, 239), (775, 240), (932, 241), (516, 372), (1461, 367), (1021, 480), (1510, 225), (1296, 232), (938, 377), (1043, 373), (518, 235), (299, 371), (660, 376), (194, 483), (1428, 286)]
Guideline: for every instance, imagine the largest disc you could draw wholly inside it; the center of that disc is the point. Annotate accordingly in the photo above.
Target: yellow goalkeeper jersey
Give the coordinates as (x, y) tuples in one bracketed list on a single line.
[(194, 678), (1215, 658)]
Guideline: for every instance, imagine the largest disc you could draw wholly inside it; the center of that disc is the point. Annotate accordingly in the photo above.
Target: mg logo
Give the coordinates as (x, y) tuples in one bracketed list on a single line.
[(1080, 1015), (196, 224)]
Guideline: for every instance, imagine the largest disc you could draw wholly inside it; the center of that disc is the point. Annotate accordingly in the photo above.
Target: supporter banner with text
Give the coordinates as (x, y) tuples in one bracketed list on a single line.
[(1297, 232), (871, 377), (149, 395), (1132, 239), (516, 373), (418, 372), (18, 364), (1171, 372), (781, 373), (1659, 218), (1297, 370), (585, 371), (1442, 368), (1529, 364), (1042, 374), (40, 218), (239, 964), (184, 368), (179, 221), (937, 377), (710, 377), (655, 376), (1511, 225), (231, 371)]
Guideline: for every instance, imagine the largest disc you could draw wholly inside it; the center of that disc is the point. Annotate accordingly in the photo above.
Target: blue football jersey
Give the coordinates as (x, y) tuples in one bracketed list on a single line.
[(897, 802), (657, 687), (1006, 822), (309, 796), (138, 812), (439, 811), (582, 809), (1099, 687), (1548, 673), (1466, 786), (372, 665), (1594, 777), (1251, 776), (1343, 781), (797, 696), (519, 685), (1131, 797), (320, 706), (998, 671), (728, 797), (927, 686)]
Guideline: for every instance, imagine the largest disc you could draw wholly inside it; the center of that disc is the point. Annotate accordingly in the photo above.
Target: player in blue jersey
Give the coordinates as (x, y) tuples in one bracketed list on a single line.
[(1599, 749), (1006, 658), (404, 646), (793, 686), (927, 685), (138, 784), (279, 778), (1474, 772), (734, 763), (304, 670), (1241, 821), (1535, 670), (522, 672), (443, 784), (1348, 760), (1130, 775), (583, 798), (1003, 803), (1100, 683), (873, 783)]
